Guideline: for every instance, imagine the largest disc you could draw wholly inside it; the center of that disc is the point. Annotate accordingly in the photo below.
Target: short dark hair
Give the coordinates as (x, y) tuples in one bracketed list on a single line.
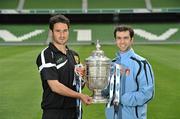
[(58, 18), (121, 28)]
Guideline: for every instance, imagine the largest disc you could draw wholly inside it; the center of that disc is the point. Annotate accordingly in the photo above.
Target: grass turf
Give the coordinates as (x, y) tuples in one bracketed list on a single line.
[(20, 93)]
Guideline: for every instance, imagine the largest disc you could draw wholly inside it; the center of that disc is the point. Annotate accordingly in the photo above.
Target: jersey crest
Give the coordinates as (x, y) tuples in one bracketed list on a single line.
[(76, 59)]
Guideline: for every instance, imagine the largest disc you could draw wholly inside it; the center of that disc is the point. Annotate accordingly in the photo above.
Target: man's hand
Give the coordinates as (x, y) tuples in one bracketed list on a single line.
[(85, 99), (79, 70)]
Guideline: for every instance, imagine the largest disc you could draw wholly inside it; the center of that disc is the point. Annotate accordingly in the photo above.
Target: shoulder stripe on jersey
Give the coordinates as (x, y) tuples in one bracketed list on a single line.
[(60, 65), (44, 64), (139, 70), (47, 65), (150, 71), (42, 56), (145, 71), (146, 63)]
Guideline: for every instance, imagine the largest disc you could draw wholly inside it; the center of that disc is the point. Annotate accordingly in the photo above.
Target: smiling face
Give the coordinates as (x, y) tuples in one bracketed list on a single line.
[(60, 33), (123, 40)]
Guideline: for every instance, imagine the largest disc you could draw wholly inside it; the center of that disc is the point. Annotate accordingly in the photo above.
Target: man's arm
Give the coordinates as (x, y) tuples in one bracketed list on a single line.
[(145, 90), (61, 89)]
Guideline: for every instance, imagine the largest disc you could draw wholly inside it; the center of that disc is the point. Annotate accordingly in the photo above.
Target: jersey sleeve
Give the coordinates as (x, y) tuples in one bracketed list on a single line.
[(47, 66), (145, 87)]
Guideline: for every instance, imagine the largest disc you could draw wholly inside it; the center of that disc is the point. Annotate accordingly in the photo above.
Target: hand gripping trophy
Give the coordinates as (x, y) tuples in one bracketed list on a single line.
[(97, 73)]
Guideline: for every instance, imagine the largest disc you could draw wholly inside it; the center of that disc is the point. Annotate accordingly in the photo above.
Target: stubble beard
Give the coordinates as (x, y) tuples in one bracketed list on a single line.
[(60, 41)]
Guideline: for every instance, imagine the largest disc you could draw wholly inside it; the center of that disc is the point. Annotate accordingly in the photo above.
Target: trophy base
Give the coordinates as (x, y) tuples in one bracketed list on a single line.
[(98, 98)]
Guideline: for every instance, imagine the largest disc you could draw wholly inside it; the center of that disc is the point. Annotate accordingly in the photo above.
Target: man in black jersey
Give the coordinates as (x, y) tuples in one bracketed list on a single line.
[(56, 65)]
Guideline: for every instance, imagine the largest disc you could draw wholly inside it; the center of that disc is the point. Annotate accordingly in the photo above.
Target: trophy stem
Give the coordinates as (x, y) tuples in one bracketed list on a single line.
[(97, 96)]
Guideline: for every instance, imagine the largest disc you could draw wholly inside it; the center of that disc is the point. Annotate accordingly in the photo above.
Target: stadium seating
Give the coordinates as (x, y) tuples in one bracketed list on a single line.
[(115, 11)]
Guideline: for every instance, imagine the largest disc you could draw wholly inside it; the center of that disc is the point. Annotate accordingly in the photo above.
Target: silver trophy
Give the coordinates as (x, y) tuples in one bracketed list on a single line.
[(97, 72)]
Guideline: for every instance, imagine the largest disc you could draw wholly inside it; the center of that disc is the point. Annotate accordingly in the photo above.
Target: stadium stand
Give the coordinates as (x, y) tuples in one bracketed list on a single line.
[(85, 13), (34, 6)]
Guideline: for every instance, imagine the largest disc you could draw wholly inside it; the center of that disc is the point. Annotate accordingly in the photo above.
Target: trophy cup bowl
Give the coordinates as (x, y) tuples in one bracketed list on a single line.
[(97, 72)]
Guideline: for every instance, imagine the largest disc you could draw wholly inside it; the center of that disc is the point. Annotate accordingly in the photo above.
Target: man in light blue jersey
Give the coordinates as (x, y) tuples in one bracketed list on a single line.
[(136, 80)]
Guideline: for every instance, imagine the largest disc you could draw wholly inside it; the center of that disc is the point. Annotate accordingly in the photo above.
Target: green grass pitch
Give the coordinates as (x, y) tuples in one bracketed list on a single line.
[(20, 85)]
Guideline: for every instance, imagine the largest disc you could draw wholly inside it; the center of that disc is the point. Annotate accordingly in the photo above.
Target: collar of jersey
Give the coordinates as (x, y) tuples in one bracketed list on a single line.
[(125, 54), (54, 48)]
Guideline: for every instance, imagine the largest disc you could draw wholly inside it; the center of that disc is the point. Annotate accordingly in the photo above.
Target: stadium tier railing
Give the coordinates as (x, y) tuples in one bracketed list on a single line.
[(88, 11), (130, 15)]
